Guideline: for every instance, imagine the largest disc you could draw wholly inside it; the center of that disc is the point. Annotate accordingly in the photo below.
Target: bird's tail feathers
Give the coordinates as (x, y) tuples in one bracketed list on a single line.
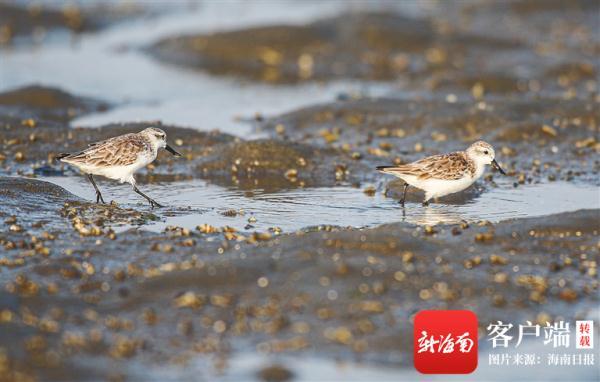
[(385, 168), (61, 156), (399, 171)]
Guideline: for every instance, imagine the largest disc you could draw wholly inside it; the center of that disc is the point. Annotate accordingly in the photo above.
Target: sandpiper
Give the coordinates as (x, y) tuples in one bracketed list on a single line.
[(445, 174), (120, 157)]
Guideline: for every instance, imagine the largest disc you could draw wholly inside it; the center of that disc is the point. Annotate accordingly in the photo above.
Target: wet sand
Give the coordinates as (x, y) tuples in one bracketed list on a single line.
[(79, 290), (279, 240)]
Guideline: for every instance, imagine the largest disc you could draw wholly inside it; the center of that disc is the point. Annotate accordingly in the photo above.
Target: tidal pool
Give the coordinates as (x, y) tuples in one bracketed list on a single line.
[(198, 202), (147, 90), (521, 75)]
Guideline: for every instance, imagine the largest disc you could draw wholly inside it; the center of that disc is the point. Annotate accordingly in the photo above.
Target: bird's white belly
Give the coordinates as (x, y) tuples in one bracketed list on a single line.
[(439, 187), (435, 188), (120, 173)]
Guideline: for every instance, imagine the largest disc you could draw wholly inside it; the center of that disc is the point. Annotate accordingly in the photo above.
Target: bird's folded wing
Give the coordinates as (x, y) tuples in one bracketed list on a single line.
[(447, 167), (118, 151)]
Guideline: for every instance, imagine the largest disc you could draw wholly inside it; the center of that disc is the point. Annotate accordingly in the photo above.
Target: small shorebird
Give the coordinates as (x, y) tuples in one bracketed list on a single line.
[(120, 157), (445, 174)]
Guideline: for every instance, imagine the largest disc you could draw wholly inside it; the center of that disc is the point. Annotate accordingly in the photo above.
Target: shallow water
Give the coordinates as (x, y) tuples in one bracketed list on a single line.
[(193, 203), (148, 90), (111, 65)]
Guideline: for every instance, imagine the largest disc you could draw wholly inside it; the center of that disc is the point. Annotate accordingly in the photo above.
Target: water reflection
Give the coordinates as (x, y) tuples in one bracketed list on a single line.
[(429, 215), (198, 202)]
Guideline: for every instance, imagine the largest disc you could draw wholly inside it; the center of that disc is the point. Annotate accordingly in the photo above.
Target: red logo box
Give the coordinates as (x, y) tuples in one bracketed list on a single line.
[(445, 342)]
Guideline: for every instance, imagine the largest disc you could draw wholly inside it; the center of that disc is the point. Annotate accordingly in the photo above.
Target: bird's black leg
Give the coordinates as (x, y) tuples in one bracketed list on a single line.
[(153, 202), (99, 197), (404, 194)]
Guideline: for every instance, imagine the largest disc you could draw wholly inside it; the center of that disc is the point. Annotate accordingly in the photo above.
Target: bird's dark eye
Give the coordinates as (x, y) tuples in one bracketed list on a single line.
[(485, 152)]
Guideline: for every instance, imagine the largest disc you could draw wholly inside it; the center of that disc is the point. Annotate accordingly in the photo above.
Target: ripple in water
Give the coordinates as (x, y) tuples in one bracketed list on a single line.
[(198, 202)]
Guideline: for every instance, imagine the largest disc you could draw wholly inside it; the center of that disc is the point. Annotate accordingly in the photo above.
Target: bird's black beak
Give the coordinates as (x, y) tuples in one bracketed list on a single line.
[(172, 151), (497, 167)]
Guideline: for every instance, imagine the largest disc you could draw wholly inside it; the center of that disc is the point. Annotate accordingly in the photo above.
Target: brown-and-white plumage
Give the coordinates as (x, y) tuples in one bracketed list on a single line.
[(120, 157), (445, 174)]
